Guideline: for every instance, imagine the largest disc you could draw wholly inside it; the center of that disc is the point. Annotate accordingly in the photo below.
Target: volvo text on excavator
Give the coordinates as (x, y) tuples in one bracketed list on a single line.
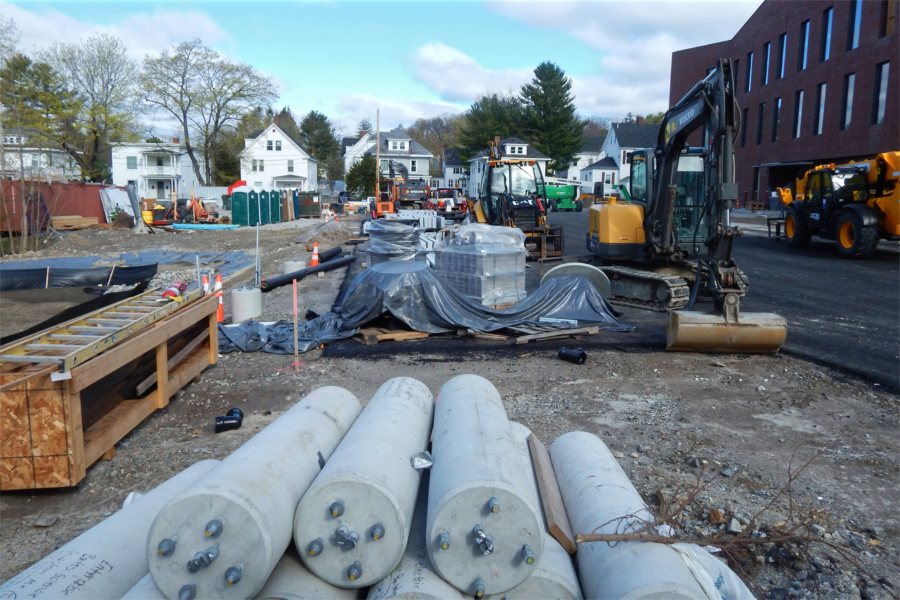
[(670, 241)]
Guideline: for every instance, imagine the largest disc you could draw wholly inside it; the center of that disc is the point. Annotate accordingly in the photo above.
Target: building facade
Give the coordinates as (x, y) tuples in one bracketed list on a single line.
[(158, 170), (272, 159), (816, 82), (397, 146), (605, 171), (591, 151), (455, 172), (625, 138), (23, 158)]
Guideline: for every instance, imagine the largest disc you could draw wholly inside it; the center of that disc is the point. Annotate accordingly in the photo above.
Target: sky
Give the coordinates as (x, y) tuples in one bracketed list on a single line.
[(410, 59)]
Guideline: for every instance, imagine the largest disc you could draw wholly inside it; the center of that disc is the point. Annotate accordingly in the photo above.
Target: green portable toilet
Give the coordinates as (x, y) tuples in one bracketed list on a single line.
[(253, 207), (275, 206), (264, 207), (240, 206)]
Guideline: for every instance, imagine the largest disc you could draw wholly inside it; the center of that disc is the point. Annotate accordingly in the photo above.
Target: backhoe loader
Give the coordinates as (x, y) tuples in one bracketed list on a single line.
[(669, 241), (855, 204)]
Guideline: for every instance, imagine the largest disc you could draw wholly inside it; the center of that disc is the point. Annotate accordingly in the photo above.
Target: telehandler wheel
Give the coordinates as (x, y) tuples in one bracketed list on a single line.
[(579, 206), (854, 239), (796, 228)]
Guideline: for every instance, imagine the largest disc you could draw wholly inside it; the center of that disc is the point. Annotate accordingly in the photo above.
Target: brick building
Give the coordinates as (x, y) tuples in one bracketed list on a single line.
[(816, 81)]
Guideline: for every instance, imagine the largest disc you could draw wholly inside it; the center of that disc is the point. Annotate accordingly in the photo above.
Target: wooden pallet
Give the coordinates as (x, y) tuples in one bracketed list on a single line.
[(373, 335), (533, 335), (46, 441)]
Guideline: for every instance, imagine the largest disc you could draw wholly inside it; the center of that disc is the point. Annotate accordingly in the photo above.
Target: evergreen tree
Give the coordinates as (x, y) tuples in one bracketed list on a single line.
[(489, 116), (364, 126), (360, 178), (550, 120), (285, 120), (317, 137)]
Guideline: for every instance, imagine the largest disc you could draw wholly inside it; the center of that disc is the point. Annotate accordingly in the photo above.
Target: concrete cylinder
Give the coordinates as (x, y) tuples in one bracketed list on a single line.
[(145, 589), (352, 525), (555, 575), (415, 577), (292, 581), (109, 558), (485, 534), (224, 536), (289, 266), (246, 304), (600, 498)]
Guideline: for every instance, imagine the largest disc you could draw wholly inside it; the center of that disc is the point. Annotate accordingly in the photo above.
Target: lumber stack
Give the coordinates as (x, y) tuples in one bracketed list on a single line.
[(73, 222)]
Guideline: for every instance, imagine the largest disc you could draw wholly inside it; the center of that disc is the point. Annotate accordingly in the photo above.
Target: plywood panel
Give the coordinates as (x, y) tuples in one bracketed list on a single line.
[(52, 472), (48, 422), (14, 429), (16, 474)]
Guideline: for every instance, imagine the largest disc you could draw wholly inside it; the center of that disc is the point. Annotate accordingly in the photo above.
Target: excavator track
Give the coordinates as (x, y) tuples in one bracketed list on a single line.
[(647, 290)]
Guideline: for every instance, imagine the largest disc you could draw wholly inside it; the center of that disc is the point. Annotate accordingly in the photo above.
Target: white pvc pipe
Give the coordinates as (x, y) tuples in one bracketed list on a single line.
[(109, 558), (352, 525), (600, 498), (292, 581), (485, 534), (223, 538)]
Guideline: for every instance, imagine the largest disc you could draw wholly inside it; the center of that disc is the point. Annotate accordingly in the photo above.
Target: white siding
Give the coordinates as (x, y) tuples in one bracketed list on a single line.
[(274, 149)]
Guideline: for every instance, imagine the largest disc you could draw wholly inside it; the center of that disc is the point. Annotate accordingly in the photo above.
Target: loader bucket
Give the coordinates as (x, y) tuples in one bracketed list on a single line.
[(692, 331)]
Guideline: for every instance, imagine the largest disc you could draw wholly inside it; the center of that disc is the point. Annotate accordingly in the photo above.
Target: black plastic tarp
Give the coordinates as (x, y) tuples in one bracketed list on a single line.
[(47, 277), (411, 292)]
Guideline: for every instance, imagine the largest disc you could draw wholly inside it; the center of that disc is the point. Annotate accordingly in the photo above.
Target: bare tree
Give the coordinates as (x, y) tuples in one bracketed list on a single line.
[(204, 92), (100, 73)]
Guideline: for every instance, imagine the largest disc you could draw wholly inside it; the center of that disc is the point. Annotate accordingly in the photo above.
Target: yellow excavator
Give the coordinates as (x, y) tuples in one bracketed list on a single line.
[(669, 241), (855, 204)]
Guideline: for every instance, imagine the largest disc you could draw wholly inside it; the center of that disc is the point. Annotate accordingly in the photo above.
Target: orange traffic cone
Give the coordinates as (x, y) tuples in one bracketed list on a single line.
[(220, 312), (206, 284), (314, 261)]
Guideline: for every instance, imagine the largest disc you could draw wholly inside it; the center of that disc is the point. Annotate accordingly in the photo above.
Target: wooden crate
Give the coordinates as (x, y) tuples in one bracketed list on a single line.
[(43, 440)]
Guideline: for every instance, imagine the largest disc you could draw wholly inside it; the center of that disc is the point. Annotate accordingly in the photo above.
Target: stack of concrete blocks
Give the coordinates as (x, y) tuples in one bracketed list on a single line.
[(485, 263), (428, 220)]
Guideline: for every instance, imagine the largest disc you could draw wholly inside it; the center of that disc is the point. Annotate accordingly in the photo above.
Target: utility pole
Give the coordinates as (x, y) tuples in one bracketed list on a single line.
[(377, 154)]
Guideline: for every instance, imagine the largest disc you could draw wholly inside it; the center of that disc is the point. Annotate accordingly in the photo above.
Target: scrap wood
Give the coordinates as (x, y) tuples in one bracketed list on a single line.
[(482, 335), (532, 335), (557, 520), (372, 335), (73, 222)]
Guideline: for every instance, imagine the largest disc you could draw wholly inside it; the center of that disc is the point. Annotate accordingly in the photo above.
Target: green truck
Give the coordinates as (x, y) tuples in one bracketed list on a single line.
[(562, 194)]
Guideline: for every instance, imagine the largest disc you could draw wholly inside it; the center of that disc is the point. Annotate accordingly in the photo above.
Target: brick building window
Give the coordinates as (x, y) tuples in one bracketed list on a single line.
[(761, 114), (855, 21), (798, 113), (879, 101), (749, 83), (776, 117), (767, 54), (827, 21), (782, 54), (819, 119), (886, 22), (847, 101), (804, 46), (744, 124)]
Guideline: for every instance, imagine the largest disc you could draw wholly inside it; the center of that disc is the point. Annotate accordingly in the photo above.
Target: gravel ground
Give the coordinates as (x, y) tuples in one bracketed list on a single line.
[(737, 424)]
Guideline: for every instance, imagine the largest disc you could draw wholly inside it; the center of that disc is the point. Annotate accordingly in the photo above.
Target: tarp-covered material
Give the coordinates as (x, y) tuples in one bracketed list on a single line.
[(391, 240), (49, 277), (411, 292)]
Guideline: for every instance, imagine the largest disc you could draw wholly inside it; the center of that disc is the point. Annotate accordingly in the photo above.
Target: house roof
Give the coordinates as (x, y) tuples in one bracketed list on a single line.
[(603, 163), (632, 135), (415, 148), (452, 158), (592, 144), (530, 151), (256, 134)]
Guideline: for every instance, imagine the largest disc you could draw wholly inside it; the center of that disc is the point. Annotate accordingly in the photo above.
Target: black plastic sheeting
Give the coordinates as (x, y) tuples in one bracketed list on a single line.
[(411, 292), (30, 279)]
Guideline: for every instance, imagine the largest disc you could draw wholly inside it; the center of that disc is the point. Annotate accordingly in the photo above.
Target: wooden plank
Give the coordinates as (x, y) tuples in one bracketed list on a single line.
[(162, 375), (179, 356), (75, 426), (557, 333), (188, 370), (115, 425), (213, 338), (373, 335), (554, 510)]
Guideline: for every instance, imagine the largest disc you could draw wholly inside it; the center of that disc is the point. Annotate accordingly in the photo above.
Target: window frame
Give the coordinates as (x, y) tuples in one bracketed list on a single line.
[(827, 34), (819, 118), (131, 162), (798, 114), (803, 58), (782, 55), (847, 101)]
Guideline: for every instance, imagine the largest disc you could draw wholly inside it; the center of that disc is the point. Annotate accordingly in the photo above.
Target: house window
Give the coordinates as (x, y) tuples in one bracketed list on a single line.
[(35, 161), (412, 166), (886, 22), (764, 76), (269, 145), (880, 98), (278, 145), (131, 162), (255, 165), (776, 117), (744, 124), (798, 113), (261, 168), (759, 122), (847, 101), (855, 20), (395, 146), (827, 18), (749, 82), (132, 182), (804, 45), (159, 161), (457, 170), (782, 54), (290, 166), (819, 120)]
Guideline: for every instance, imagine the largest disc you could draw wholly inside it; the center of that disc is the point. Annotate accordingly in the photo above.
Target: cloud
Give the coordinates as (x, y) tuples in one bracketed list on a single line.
[(351, 109), (457, 77), (634, 41), (144, 33)]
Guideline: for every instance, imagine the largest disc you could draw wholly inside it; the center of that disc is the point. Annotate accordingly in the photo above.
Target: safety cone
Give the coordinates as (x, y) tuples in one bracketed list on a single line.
[(206, 284), (220, 312), (314, 261)]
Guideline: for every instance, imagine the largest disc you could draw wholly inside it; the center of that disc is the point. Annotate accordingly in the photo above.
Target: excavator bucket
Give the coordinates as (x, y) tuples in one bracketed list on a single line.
[(692, 331)]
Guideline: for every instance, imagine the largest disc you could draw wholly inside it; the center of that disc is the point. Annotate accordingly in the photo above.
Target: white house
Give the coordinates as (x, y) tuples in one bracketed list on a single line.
[(39, 162), (272, 159), (624, 138), (397, 146), (604, 170), (511, 147), (157, 169), (355, 148), (455, 173), (591, 151)]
